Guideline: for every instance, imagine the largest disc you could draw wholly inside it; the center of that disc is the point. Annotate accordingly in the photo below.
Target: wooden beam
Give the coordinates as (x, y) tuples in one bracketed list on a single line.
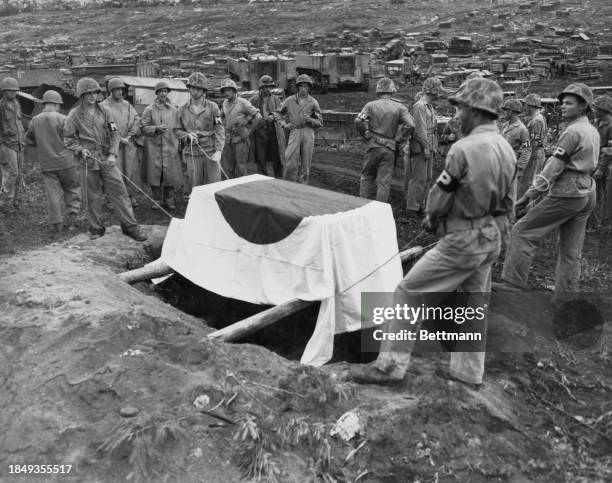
[(152, 270), (269, 316)]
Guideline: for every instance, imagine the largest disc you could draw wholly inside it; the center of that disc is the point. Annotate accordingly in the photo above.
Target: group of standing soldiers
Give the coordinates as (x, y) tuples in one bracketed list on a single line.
[(189, 146)]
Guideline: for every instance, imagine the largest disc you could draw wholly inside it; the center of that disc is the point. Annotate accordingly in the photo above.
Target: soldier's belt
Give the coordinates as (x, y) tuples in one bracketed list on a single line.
[(461, 224)]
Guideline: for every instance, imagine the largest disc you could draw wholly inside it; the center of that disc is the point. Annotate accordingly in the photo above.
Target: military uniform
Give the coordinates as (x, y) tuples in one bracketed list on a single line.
[(268, 139), (237, 116), (208, 126), (567, 205), (538, 130), (98, 134), (423, 146), (12, 144), (305, 115), (602, 214), (516, 133), (386, 119)]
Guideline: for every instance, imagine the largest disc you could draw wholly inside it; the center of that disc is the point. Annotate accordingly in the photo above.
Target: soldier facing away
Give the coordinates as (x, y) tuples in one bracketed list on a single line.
[(516, 133), (384, 124), (91, 134), (538, 131), (12, 144), (57, 164), (475, 186)]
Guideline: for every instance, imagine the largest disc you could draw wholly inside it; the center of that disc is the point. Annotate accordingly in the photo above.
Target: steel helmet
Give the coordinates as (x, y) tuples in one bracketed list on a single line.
[(483, 94), (52, 97), (197, 79), (385, 86), (512, 105), (580, 90), (303, 79), (87, 85), (474, 75), (115, 83), (532, 100), (603, 103), (162, 84), (433, 86), (266, 80), (228, 84), (9, 84)]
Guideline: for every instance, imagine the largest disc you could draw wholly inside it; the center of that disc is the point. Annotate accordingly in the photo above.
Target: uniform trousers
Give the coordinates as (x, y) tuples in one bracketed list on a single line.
[(298, 155), (266, 150), (128, 163), (376, 174), (62, 183), (461, 261), (235, 157), (418, 176), (533, 168), (11, 166), (199, 170), (602, 213)]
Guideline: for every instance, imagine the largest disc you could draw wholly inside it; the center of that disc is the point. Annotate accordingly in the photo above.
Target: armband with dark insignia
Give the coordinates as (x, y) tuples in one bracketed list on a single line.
[(446, 182), (218, 120), (561, 154), (112, 126), (362, 116)]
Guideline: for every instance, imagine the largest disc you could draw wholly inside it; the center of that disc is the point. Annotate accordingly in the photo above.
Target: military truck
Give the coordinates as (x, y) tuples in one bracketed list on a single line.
[(335, 70), (246, 72)]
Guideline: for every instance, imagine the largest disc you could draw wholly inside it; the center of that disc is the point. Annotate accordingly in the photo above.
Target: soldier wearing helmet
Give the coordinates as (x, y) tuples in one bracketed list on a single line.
[(239, 117), (516, 133), (538, 131), (568, 199), (202, 134), (423, 147), (602, 214), (163, 172), (57, 164), (300, 114), (268, 139), (384, 125), (12, 144), (128, 126), (92, 135), (475, 186)]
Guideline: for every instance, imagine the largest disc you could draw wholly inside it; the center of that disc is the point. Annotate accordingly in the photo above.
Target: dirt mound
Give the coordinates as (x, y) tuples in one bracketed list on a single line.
[(108, 378)]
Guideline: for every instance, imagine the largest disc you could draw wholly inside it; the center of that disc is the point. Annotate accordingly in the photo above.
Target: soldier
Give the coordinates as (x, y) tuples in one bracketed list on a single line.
[(12, 144), (516, 133), (162, 164), (383, 124), (569, 199), (423, 147), (59, 171), (301, 115), (201, 131), (239, 117), (602, 213), (268, 143), (538, 130), (475, 186), (128, 124), (91, 134)]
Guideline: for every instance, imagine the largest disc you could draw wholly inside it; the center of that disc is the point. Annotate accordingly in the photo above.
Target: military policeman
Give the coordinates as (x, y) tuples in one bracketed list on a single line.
[(12, 144), (476, 185), (602, 213), (569, 200), (239, 116), (300, 114), (202, 133), (268, 143), (538, 130), (92, 135), (384, 124), (162, 162), (59, 171), (128, 124), (423, 147), (516, 133)]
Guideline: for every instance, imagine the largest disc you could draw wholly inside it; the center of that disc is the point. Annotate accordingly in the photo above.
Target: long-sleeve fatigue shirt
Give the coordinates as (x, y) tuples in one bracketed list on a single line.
[(207, 124), (389, 122), (537, 131), (565, 174), (267, 105), (296, 110), (46, 132), (516, 133), (237, 115), (12, 133), (477, 179), (604, 128), (125, 116), (97, 133), (425, 131)]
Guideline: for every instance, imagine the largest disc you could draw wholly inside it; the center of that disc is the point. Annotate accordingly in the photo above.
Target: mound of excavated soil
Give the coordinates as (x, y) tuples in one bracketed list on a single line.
[(104, 376)]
